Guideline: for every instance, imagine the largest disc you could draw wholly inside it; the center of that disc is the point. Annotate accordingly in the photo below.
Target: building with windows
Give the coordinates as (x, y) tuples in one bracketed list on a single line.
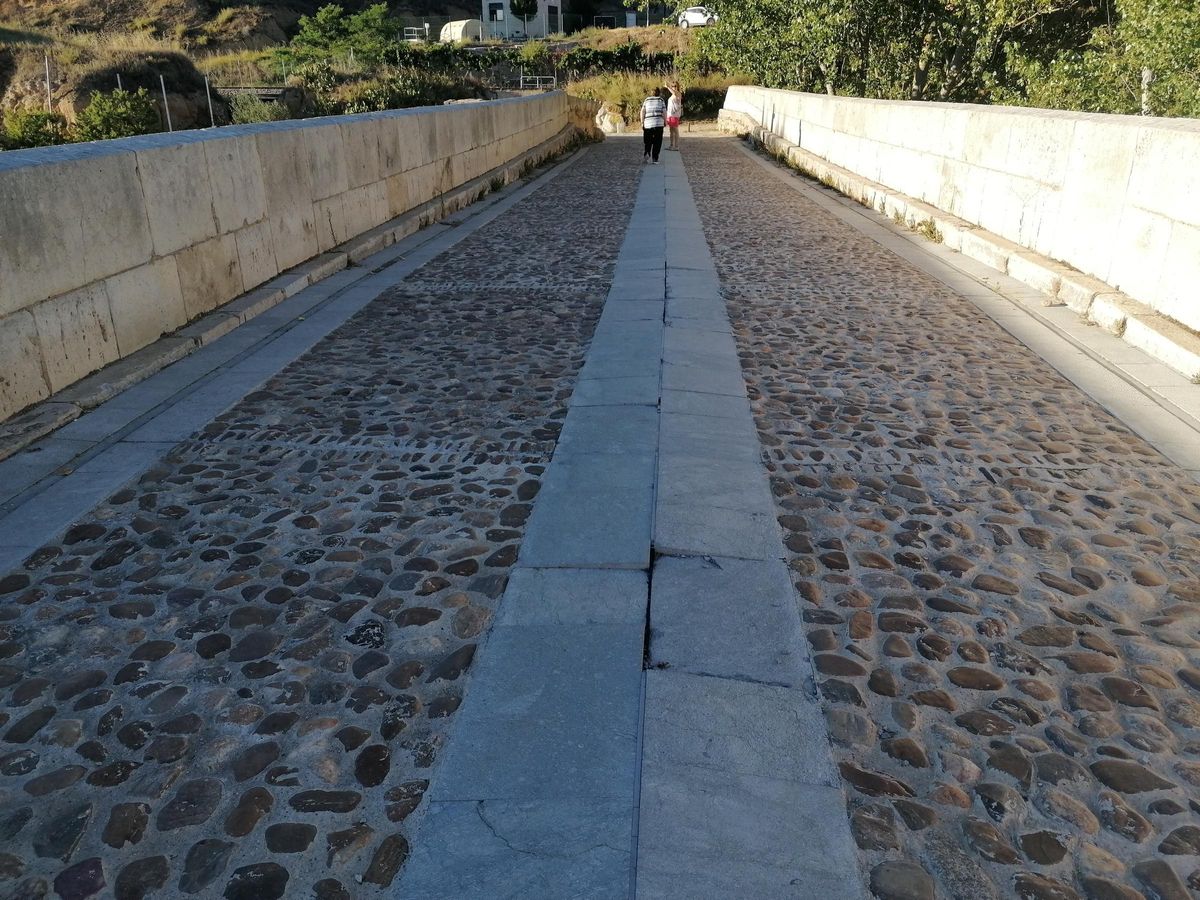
[(499, 21)]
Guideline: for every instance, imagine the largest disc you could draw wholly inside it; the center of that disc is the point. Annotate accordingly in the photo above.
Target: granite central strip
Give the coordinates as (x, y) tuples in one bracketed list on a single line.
[(625, 741), (739, 796), (537, 794)]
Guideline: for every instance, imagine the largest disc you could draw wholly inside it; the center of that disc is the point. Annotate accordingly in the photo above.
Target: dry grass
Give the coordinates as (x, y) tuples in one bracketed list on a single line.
[(241, 67), (654, 39)]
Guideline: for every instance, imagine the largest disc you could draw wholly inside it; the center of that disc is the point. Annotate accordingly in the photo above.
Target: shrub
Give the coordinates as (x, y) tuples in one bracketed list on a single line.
[(402, 89), (247, 109), (116, 115), (31, 128), (317, 75), (535, 56)]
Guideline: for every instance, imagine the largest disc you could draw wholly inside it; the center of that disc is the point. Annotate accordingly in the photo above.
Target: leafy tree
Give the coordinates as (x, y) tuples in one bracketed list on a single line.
[(1158, 39), (330, 31), (116, 115), (960, 50), (524, 9)]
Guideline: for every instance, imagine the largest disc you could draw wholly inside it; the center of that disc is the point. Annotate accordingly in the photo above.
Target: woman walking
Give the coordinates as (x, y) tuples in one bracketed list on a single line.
[(674, 113), (654, 117)]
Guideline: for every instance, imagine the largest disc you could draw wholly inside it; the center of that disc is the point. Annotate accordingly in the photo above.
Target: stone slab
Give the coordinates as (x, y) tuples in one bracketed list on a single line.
[(552, 713), (500, 848), (703, 834), (735, 727), (697, 529), (732, 618), (702, 438), (635, 390), (595, 513), (574, 597), (21, 430), (703, 379), (629, 432), (686, 477), (720, 406), (633, 311)]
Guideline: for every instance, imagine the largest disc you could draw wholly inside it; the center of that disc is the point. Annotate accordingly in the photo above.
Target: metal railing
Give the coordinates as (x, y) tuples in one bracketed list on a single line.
[(538, 82)]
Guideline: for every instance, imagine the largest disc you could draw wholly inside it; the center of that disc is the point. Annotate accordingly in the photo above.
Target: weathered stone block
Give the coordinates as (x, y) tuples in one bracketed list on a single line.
[(178, 196), (1167, 341), (209, 274), (326, 160), (1078, 291), (116, 232), (60, 223), (1038, 272), (256, 254), (361, 142), (1177, 291), (21, 379), (397, 190), (235, 173), (294, 233), (287, 173), (145, 303), (366, 207), (329, 216), (76, 335)]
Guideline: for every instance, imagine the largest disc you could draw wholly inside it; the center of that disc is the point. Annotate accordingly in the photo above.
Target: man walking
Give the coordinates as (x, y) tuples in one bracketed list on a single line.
[(654, 117)]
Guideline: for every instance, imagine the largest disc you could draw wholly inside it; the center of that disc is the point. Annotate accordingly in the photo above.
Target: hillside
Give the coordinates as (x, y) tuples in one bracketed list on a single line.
[(197, 24)]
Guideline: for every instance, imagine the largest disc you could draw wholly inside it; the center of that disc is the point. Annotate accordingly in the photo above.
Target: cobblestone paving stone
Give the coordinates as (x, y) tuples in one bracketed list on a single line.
[(1000, 583), (233, 678)]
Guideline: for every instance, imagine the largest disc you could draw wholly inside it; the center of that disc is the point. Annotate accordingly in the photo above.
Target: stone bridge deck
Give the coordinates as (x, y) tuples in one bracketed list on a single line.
[(669, 532)]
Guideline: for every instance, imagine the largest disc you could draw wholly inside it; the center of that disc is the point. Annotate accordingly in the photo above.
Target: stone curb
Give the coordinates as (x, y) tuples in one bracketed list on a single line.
[(1096, 301), (42, 419)]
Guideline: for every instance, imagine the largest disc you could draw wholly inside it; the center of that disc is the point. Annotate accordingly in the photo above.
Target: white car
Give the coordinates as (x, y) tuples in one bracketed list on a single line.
[(697, 15)]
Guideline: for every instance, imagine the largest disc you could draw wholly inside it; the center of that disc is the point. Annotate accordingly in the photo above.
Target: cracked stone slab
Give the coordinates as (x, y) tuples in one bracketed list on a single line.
[(732, 618), (735, 726), (503, 848), (706, 834), (552, 714)]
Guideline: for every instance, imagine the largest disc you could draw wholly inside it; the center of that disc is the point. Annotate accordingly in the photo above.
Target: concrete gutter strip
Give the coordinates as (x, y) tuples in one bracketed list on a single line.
[(1059, 284), (643, 719), (44, 418), (43, 488)]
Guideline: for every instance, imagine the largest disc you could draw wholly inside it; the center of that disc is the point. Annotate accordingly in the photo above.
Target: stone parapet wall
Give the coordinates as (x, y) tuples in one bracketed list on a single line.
[(105, 247), (1111, 196)]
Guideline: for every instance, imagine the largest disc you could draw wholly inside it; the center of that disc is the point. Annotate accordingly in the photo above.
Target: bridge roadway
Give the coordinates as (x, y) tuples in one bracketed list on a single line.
[(675, 531)]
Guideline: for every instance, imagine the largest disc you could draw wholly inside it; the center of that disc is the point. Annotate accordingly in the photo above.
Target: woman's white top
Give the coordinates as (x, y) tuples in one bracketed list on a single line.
[(675, 107)]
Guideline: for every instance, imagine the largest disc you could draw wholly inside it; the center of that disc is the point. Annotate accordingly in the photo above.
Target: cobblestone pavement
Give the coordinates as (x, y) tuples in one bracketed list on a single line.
[(1000, 583), (233, 677)]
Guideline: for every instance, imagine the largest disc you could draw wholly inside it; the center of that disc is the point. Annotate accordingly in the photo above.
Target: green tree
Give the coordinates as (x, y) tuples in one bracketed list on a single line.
[(330, 31), (919, 49), (1147, 60), (524, 9), (116, 115)]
